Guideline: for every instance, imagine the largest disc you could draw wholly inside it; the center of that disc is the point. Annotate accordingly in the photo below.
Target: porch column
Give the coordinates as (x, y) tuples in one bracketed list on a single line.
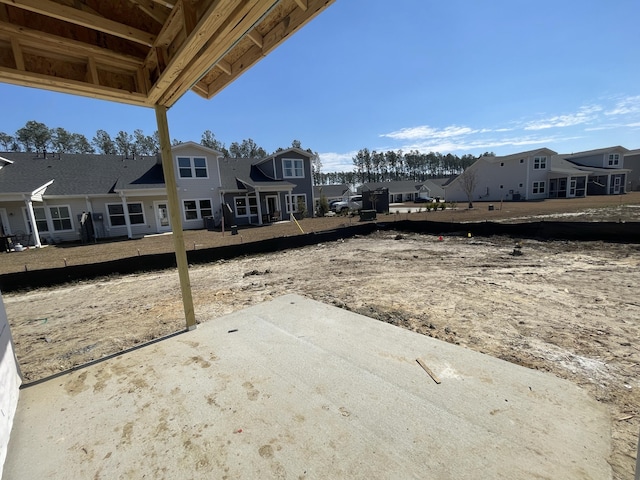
[(34, 225), (609, 185), (259, 208), (125, 209), (174, 215)]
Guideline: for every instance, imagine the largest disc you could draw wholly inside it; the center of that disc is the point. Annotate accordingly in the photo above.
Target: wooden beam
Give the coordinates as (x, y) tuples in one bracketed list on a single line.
[(286, 27), (255, 37), (84, 19), (47, 42), (57, 84), (17, 54), (92, 71), (224, 66), (302, 4), (237, 23), (189, 17), (175, 216), (153, 10)]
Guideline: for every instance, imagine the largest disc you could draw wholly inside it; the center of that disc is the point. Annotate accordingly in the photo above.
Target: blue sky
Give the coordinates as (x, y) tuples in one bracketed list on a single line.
[(455, 76)]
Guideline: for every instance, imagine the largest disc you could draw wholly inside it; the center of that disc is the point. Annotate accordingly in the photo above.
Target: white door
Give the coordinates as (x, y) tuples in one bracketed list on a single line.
[(162, 216), (5, 229), (572, 188), (616, 185)]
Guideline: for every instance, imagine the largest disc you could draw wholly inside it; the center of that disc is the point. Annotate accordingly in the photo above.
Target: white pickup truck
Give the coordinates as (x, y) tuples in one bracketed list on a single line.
[(354, 203)]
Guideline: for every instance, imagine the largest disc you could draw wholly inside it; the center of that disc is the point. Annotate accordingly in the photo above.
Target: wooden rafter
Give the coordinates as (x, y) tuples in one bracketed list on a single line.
[(143, 52), (85, 19)]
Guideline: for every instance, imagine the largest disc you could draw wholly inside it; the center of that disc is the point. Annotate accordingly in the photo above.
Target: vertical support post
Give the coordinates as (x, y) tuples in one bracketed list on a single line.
[(174, 215), (34, 225)]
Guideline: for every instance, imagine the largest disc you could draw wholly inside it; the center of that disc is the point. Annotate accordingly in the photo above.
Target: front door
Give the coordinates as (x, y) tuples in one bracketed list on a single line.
[(616, 185), (572, 188), (272, 205), (162, 216)]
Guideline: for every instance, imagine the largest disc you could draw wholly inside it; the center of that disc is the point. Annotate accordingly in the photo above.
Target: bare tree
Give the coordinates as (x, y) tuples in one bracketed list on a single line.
[(469, 181)]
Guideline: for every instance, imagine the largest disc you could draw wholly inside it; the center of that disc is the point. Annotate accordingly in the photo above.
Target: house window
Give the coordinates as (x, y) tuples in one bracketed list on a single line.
[(614, 159), (292, 168), (246, 206), (116, 214), (192, 167), (61, 218), (197, 209), (41, 219), (502, 164), (521, 185), (296, 203), (539, 163), (538, 187), (522, 160)]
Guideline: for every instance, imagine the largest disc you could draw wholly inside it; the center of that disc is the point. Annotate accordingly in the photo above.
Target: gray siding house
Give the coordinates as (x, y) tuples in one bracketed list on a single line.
[(632, 162), (53, 198), (542, 173)]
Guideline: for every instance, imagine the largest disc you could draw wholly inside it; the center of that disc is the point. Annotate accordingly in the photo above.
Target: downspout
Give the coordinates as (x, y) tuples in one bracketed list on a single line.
[(125, 209), (526, 185)]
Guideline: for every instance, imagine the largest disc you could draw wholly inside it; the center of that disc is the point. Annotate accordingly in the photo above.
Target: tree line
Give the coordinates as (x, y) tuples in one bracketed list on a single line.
[(368, 166), (373, 166), (37, 137)]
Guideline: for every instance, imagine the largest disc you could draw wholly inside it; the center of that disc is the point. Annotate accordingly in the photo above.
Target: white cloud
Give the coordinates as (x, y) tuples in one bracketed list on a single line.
[(626, 106), (337, 162), (425, 132), (585, 114)]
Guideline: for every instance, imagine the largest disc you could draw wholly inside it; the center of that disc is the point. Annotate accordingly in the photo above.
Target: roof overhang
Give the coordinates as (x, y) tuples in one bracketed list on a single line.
[(142, 52)]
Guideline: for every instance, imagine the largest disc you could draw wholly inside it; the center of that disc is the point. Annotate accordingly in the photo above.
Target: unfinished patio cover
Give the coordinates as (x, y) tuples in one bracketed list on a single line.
[(147, 53), (297, 389), (142, 52)]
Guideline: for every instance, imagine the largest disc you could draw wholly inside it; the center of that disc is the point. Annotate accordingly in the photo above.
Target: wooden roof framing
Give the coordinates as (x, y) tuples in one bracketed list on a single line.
[(142, 52)]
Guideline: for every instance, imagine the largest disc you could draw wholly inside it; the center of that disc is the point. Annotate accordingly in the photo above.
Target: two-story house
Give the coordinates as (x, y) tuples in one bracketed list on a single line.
[(55, 198), (539, 174)]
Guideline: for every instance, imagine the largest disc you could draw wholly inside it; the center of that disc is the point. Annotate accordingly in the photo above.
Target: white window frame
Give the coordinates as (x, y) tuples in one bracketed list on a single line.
[(192, 168), (539, 187), (50, 219), (198, 208), (59, 218), (250, 206), (295, 170), (46, 222), (539, 163), (614, 159), (292, 200), (128, 214)]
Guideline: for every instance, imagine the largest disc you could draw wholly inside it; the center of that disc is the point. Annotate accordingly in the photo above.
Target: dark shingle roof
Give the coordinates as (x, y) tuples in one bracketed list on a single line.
[(77, 174)]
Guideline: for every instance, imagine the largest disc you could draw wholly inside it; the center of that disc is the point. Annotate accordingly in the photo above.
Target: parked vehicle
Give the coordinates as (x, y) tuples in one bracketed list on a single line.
[(423, 200), (354, 203)]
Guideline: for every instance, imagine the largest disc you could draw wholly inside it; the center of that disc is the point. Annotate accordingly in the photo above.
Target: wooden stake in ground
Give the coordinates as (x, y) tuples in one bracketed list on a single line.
[(428, 370)]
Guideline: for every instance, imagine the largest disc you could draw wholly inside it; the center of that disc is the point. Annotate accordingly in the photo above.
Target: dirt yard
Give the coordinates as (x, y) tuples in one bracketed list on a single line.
[(568, 308)]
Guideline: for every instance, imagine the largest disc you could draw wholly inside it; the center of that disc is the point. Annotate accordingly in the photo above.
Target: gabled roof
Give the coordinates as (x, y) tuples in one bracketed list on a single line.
[(561, 166), (77, 174), (331, 191), (519, 155), (240, 174), (183, 145), (599, 151), (398, 186)]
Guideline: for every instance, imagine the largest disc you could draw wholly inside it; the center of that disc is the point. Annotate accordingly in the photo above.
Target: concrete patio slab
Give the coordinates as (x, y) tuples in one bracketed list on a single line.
[(294, 388)]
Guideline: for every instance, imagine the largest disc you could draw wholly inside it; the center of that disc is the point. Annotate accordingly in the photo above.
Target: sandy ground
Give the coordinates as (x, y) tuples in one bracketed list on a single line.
[(569, 308)]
